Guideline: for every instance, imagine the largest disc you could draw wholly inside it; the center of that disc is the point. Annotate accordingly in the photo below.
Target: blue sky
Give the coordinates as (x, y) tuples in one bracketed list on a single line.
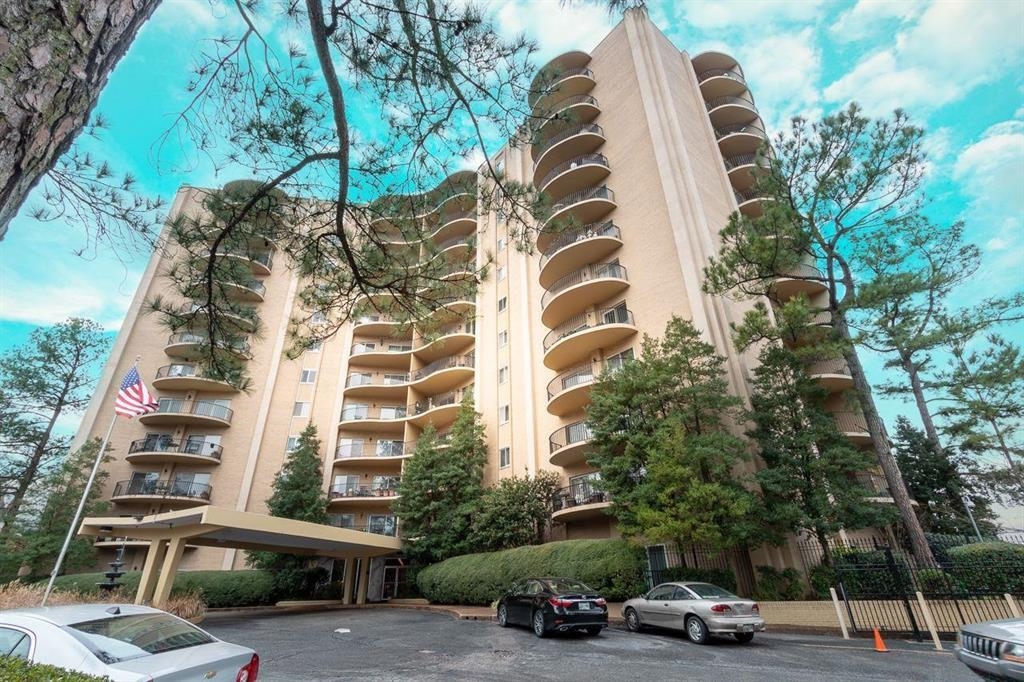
[(955, 66)]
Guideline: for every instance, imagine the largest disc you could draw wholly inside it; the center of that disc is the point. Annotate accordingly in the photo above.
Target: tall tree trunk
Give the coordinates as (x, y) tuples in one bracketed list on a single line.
[(55, 58), (31, 470), (897, 488)]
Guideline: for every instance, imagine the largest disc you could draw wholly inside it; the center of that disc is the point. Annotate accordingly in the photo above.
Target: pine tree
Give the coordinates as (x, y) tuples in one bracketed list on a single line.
[(664, 448), (515, 512), (441, 488)]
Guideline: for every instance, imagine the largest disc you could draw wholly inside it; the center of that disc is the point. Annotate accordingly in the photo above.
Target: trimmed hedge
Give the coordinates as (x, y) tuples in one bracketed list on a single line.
[(995, 567), (612, 567), (776, 585), (218, 589), (723, 577), (17, 670)]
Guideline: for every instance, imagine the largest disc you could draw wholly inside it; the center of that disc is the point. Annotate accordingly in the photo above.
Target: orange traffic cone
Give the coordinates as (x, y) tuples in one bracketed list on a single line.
[(879, 644)]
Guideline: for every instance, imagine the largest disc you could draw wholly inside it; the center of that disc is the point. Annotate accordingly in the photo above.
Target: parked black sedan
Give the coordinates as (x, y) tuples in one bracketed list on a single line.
[(553, 605)]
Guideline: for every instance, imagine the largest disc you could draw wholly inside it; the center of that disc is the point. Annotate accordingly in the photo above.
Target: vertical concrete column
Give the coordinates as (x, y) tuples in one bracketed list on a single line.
[(364, 579), (350, 578), (175, 548), (147, 584)]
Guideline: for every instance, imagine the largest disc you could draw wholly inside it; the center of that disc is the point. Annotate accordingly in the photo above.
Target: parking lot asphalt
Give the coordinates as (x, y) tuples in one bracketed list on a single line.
[(399, 644)]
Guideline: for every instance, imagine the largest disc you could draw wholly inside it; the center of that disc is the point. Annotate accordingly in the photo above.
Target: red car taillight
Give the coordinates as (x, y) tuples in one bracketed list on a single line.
[(721, 608), (600, 601), (250, 671), (564, 603), (755, 608)]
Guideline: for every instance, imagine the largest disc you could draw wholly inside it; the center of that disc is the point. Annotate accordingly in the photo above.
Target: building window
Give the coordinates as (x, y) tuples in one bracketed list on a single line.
[(315, 346), (502, 303), (292, 444), (308, 376), (504, 412), (317, 318), (502, 375), (501, 272), (618, 361), (502, 338), (501, 244), (300, 409), (504, 457)]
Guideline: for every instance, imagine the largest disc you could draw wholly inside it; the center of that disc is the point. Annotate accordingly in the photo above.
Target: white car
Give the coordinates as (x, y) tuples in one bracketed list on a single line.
[(123, 642), (698, 609)]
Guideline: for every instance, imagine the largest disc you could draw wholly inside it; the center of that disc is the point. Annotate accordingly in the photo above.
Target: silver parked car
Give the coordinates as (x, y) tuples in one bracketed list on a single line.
[(700, 609), (124, 643), (994, 650)]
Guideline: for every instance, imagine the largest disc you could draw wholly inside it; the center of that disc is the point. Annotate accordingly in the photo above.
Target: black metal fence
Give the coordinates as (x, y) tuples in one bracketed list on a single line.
[(731, 570)]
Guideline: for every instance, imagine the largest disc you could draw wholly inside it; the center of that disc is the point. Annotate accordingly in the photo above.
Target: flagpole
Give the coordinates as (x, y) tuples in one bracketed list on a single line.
[(73, 529)]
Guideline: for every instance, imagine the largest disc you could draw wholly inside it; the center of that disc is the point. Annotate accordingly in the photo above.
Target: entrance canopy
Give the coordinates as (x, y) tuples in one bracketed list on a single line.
[(210, 526)]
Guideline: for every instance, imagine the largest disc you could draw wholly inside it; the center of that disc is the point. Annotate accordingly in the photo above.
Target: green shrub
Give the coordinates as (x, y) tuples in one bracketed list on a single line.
[(995, 567), (822, 577), (722, 577), (218, 589), (936, 581), (612, 567), (17, 670), (776, 585), (869, 574)]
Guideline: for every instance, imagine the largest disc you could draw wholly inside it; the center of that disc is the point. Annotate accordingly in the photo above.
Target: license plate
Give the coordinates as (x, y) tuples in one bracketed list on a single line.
[(746, 628), (583, 606)]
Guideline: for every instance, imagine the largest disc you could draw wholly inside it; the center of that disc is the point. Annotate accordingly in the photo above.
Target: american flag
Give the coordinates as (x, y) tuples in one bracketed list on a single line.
[(133, 399)]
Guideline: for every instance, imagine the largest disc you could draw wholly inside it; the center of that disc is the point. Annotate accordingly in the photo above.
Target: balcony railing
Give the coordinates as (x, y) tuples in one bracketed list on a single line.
[(386, 489), (749, 128), (578, 493), (830, 366), (584, 274), (577, 432), (850, 422), (455, 215), (579, 324), (377, 379), (577, 376), (551, 82), (566, 102), (201, 340), (199, 408), (180, 370), (744, 160), (874, 483), (444, 363), (729, 99), (387, 526), (200, 448), (364, 412), (449, 398), (748, 195), (448, 243), (587, 194), (571, 131), (360, 348), (584, 160), (579, 234), (712, 73), (383, 448), (189, 489)]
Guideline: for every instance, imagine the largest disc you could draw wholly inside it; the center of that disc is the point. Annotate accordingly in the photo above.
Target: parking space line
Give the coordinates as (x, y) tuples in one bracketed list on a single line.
[(861, 648)]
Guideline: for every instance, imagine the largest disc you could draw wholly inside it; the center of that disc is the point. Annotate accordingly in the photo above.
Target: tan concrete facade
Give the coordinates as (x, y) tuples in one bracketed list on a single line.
[(672, 137)]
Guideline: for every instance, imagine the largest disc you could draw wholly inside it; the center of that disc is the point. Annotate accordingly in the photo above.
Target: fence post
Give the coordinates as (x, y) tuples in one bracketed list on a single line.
[(1013, 605), (929, 620), (839, 613), (898, 581)]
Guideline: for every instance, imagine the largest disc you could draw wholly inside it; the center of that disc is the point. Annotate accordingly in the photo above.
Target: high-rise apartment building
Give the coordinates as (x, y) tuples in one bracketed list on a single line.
[(659, 151)]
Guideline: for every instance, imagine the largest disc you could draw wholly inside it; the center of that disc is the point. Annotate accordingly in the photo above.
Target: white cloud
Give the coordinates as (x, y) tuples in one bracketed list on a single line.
[(713, 14), (68, 292), (189, 14), (556, 27), (870, 17), (952, 48), (783, 70)]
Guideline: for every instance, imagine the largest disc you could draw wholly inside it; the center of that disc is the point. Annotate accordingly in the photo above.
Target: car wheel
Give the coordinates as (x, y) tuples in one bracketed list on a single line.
[(593, 632), (632, 620), (744, 637), (538, 624), (503, 615), (696, 630)]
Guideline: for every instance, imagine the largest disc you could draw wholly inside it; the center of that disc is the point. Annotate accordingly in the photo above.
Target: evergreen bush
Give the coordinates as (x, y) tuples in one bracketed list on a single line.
[(722, 577), (22, 671), (996, 567)]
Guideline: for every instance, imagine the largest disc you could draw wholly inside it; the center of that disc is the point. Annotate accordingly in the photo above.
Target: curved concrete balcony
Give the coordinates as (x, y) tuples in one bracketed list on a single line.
[(174, 411), (580, 290), (712, 59), (583, 207), (786, 288), (386, 386), (854, 426), (568, 445), (388, 419), (260, 262), (564, 76), (453, 307), (446, 341), (189, 378), (376, 324), (832, 374), (460, 223), (576, 247), (444, 374), (252, 290), (743, 170), (163, 449), (574, 340), (877, 486), (345, 495), (719, 82), (458, 246), (562, 146), (384, 454), (375, 354), (244, 318), (750, 202), (438, 410), (192, 346), (730, 110), (580, 171), (570, 110), (577, 502), (741, 138), (180, 492), (570, 391)]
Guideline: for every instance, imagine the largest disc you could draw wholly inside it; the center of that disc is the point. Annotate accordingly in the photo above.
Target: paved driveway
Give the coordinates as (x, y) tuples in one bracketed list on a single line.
[(400, 644)]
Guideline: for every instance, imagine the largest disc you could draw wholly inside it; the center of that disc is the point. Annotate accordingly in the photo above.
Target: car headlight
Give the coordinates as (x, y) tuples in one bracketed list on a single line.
[(1012, 652)]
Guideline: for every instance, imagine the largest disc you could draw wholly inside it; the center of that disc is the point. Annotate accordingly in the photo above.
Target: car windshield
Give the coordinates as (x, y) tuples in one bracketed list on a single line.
[(709, 591), (567, 586), (123, 638)]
